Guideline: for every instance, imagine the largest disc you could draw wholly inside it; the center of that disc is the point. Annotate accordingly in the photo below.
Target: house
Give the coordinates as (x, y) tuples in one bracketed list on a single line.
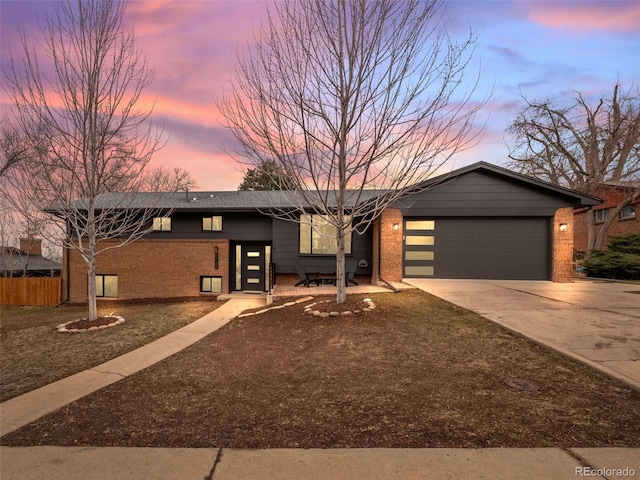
[(27, 261), (481, 221), (623, 221)]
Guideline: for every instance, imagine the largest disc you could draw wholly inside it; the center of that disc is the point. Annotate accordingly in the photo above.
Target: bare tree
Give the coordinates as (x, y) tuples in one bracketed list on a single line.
[(164, 179), (88, 133), (582, 146), (350, 95), (13, 148)]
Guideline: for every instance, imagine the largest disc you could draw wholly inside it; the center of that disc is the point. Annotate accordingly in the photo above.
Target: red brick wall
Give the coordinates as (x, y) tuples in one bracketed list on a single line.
[(612, 199), (562, 249), (154, 268), (31, 246), (390, 267), (618, 227), (580, 232)]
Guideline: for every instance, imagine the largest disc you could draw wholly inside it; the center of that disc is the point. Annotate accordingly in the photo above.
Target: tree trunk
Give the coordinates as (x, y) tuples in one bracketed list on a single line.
[(341, 284), (91, 263), (591, 231), (91, 279)]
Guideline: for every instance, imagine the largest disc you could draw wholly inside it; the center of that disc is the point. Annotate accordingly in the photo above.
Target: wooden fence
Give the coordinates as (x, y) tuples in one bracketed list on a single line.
[(30, 291)]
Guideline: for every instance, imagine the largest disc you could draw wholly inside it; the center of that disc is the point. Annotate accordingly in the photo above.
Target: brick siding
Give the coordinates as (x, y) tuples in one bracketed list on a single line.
[(612, 198), (618, 227), (154, 268), (390, 267), (562, 248)]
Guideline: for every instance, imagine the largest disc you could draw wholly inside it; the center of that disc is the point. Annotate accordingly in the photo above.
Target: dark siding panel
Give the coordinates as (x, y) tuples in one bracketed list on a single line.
[(235, 227), (285, 250), (481, 194), (493, 248)]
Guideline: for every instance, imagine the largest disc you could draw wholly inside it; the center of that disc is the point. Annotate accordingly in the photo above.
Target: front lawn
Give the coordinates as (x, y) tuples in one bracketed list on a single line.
[(33, 353), (415, 372)]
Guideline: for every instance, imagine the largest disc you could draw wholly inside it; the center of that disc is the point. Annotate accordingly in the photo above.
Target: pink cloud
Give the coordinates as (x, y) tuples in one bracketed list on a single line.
[(213, 171), (586, 16)]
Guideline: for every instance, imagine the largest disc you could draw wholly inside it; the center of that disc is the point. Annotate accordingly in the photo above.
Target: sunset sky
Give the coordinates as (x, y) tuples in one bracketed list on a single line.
[(542, 49)]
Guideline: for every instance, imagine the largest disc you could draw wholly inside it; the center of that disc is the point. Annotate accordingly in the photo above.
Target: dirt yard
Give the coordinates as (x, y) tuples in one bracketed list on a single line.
[(415, 372)]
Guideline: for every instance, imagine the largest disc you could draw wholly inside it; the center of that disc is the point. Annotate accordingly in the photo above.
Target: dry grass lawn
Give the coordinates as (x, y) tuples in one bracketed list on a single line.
[(33, 353), (416, 372)]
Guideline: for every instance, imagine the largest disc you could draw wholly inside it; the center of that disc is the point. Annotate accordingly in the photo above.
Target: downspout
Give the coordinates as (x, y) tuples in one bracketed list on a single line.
[(67, 275)]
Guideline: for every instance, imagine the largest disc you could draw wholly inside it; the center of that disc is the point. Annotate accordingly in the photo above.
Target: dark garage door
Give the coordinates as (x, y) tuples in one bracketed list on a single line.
[(491, 248)]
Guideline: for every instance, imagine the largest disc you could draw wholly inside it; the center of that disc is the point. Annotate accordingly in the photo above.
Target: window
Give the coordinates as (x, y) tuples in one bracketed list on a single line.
[(107, 286), (318, 237), (212, 224), (628, 212), (211, 284), (162, 224), (600, 216)]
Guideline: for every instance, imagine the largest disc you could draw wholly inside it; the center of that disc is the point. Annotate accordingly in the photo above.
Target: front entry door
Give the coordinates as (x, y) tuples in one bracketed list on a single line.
[(253, 274)]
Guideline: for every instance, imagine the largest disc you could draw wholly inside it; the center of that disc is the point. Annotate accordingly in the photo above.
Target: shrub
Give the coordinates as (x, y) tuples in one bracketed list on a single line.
[(625, 243), (621, 261)]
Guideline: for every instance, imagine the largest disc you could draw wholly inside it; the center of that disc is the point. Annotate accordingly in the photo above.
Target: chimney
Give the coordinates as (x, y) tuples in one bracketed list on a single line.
[(31, 246)]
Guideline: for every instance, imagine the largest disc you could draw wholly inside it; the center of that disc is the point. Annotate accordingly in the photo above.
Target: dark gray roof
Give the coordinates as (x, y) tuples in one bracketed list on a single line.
[(218, 201), (13, 260), (262, 200)]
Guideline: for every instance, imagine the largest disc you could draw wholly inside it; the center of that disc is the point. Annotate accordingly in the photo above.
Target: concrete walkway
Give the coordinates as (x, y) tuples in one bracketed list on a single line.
[(595, 322), (65, 463)]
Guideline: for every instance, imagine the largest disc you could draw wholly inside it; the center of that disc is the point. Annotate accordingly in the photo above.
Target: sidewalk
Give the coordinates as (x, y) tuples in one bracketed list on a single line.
[(58, 463)]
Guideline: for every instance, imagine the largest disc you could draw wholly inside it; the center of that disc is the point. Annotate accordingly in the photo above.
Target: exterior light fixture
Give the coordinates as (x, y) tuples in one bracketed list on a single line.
[(563, 227), (396, 227)]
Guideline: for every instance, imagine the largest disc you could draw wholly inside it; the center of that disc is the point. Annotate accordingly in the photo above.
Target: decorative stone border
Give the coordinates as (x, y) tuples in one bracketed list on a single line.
[(316, 313), (277, 307), (62, 328), (309, 308)]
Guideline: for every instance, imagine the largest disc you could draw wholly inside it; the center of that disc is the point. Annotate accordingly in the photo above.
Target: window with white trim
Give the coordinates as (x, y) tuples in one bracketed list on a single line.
[(628, 212), (600, 216), (318, 236)]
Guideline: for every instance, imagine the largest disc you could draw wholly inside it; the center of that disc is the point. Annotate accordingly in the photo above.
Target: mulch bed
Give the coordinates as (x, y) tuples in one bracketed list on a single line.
[(415, 372)]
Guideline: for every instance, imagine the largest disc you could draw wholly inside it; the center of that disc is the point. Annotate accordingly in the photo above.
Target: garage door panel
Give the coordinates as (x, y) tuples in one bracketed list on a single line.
[(492, 248)]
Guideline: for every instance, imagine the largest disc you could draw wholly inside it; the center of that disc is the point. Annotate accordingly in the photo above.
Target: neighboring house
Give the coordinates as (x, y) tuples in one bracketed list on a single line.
[(27, 261), (626, 220), (481, 221)]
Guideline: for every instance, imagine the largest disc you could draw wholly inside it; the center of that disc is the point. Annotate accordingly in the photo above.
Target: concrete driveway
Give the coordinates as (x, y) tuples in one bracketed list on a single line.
[(596, 322)]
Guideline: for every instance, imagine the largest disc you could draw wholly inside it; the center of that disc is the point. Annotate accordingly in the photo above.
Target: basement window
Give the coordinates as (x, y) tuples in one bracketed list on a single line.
[(211, 284), (107, 286)]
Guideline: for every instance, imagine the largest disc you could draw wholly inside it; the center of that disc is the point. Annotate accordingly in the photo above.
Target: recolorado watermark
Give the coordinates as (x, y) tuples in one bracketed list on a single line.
[(605, 472)]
